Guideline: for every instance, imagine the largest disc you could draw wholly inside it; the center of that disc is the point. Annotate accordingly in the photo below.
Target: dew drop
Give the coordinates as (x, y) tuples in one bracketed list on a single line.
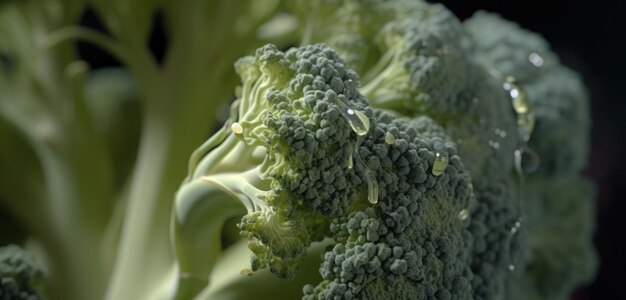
[(372, 187), (358, 121), (389, 138), (441, 160), (527, 161), (350, 163), (522, 107), (511, 268), (516, 227), (370, 178), (525, 125), (535, 59), (236, 128), (463, 214)]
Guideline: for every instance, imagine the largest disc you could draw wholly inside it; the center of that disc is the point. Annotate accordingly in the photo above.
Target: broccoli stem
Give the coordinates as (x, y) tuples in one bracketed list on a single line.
[(201, 210), (385, 74)]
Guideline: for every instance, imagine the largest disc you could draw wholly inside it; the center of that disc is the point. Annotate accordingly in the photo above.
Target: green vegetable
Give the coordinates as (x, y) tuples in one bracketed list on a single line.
[(21, 277), (394, 153)]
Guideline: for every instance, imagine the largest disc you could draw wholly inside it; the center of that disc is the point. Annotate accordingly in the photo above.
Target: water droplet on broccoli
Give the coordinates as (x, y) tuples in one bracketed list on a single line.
[(499, 132), (389, 138), (463, 214), (526, 160), (516, 227), (236, 128), (494, 145), (246, 272), (522, 107), (441, 160), (372, 187), (350, 163), (358, 121), (511, 268), (370, 178), (535, 59)]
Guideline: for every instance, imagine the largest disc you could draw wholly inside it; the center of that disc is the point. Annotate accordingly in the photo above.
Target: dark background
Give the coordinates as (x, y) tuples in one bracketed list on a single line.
[(590, 37)]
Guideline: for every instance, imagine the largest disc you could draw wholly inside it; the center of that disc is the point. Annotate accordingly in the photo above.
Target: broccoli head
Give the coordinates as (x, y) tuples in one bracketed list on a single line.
[(427, 174), (309, 159), (288, 153)]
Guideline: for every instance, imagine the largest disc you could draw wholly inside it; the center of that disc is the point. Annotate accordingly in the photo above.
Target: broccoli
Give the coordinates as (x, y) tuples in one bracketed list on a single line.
[(21, 277), (371, 149), (308, 158), (286, 154), (558, 257)]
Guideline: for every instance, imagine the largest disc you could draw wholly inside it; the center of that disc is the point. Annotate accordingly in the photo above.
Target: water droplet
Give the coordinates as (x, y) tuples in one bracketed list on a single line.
[(463, 214), (358, 121), (389, 138), (494, 145), (236, 128), (526, 124), (522, 107), (535, 59), (520, 102), (372, 187), (511, 268), (516, 227), (370, 178), (246, 272), (526, 160), (499, 132), (441, 160), (350, 163)]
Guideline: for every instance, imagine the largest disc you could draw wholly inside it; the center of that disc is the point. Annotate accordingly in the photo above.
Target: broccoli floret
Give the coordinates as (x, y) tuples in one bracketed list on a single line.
[(409, 53), (506, 47), (421, 66), (309, 159), (555, 258), (558, 95), (288, 153), (21, 277), (414, 241), (560, 247)]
